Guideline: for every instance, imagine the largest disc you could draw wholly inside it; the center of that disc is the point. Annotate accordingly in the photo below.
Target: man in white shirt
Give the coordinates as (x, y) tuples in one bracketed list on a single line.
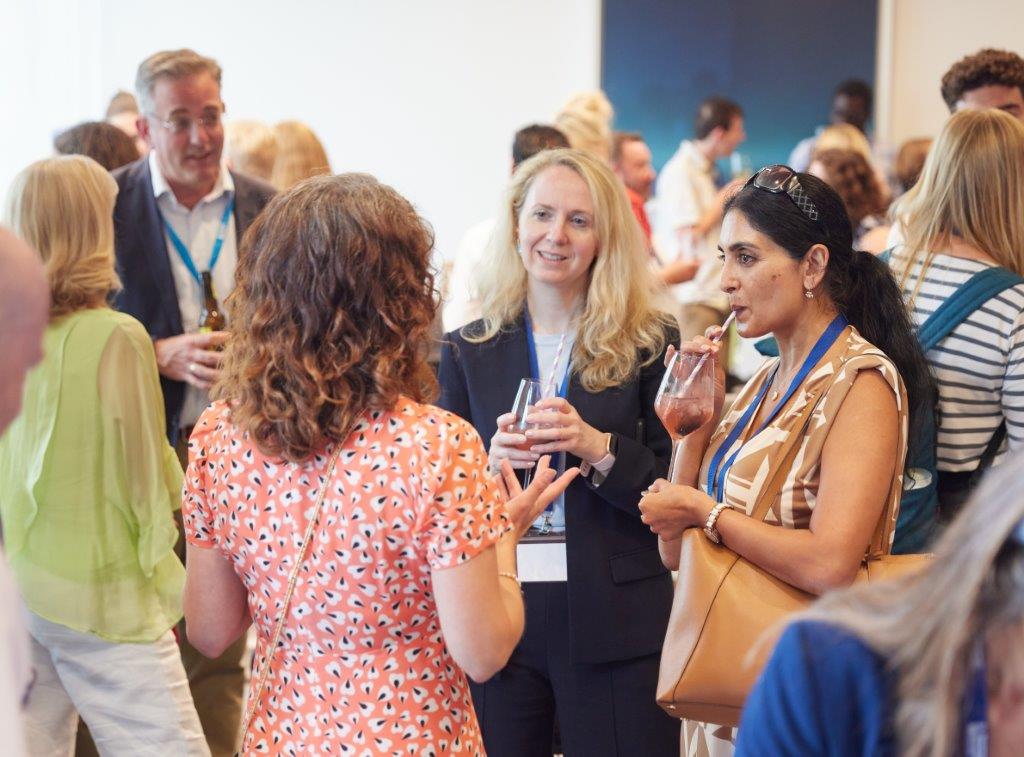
[(24, 313), (689, 208), (460, 302), (180, 213)]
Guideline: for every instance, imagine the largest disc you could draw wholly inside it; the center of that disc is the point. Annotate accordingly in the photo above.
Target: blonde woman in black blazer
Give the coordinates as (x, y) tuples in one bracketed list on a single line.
[(567, 258)]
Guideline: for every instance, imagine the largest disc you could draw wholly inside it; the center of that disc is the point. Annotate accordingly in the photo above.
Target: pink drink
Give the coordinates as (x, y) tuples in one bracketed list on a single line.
[(681, 415)]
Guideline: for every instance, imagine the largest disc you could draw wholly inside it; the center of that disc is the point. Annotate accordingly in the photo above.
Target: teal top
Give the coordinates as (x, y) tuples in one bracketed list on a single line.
[(89, 484)]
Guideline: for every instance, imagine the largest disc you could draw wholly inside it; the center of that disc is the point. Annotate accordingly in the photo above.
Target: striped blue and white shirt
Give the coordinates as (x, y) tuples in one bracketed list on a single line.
[(979, 367)]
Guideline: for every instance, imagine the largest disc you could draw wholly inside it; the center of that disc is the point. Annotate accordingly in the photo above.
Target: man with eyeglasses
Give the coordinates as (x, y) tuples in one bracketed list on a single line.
[(179, 214)]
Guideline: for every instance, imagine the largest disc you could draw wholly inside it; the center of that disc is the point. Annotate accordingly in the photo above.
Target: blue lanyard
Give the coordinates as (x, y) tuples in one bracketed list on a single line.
[(716, 470), (183, 252), (532, 347)]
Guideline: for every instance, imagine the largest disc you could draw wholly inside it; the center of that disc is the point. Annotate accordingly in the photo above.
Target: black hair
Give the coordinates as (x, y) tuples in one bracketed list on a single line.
[(533, 139), (859, 283), (856, 88), (984, 68), (715, 112)]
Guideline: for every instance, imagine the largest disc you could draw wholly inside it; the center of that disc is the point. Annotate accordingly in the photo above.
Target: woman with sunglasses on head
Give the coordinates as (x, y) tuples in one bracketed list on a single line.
[(568, 266), (931, 665), (964, 218), (845, 344)]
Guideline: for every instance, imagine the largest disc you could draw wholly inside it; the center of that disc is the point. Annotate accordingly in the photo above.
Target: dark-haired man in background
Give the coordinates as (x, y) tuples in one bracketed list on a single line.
[(988, 79), (851, 104), (460, 303)]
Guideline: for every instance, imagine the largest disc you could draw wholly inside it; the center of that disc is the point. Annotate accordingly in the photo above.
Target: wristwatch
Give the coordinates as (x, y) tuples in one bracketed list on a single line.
[(710, 530), (593, 470)]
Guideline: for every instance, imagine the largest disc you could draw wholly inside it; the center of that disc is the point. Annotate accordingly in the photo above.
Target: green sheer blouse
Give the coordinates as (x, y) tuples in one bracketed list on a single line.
[(89, 484)]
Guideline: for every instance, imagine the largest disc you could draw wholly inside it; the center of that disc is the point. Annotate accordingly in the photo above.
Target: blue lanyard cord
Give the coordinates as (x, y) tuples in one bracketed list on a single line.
[(717, 471), (183, 252)]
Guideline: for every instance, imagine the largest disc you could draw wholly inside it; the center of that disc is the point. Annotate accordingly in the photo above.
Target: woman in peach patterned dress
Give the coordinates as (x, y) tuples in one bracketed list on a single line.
[(410, 575)]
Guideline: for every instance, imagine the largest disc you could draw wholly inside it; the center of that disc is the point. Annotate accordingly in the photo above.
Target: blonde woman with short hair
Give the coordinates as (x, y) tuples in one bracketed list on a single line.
[(568, 298), (88, 486), (300, 155), (927, 667), (586, 121), (962, 216), (251, 148)]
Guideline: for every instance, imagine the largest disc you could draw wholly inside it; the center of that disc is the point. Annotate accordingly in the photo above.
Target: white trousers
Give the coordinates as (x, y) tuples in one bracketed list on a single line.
[(134, 697)]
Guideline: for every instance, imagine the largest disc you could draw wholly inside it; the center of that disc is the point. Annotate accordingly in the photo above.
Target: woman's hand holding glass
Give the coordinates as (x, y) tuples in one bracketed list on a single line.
[(669, 509), (511, 445), (698, 346), (524, 506), (557, 427)]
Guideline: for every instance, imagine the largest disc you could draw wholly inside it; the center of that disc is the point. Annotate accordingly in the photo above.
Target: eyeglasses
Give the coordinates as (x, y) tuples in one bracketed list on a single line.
[(182, 124), (779, 179)]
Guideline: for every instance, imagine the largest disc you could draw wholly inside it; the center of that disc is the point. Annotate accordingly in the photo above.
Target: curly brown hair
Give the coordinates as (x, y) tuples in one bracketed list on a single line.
[(854, 180), (332, 303), (984, 68)]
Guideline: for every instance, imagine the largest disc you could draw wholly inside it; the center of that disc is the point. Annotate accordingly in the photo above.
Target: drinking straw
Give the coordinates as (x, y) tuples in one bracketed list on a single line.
[(704, 357), (554, 365)]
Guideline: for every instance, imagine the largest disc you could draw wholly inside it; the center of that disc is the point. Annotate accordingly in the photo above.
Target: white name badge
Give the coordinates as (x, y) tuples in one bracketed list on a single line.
[(541, 558)]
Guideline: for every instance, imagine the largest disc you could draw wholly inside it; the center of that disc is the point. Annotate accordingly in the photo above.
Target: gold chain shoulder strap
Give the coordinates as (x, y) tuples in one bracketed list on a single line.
[(257, 693)]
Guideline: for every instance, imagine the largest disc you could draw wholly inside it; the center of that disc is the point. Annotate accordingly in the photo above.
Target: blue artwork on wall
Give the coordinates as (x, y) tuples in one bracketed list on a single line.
[(779, 60)]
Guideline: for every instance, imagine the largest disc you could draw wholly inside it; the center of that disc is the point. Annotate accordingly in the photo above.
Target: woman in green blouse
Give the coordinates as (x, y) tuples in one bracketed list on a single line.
[(88, 485)]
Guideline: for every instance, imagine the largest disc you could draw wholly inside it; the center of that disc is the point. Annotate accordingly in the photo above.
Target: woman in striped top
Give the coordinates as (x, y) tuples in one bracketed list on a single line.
[(965, 214)]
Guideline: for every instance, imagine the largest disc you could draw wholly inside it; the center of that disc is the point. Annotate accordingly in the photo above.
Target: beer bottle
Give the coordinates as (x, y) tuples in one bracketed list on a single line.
[(210, 317)]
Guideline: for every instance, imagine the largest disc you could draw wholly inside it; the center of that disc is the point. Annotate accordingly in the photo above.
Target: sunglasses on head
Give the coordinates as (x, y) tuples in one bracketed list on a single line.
[(779, 179)]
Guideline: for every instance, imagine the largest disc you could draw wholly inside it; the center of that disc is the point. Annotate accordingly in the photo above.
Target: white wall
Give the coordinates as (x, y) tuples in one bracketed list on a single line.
[(919, 40), (425, 95)]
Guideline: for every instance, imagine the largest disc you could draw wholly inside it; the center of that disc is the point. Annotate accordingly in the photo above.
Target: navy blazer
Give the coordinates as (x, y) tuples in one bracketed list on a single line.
[(148, 292), (619, 592)]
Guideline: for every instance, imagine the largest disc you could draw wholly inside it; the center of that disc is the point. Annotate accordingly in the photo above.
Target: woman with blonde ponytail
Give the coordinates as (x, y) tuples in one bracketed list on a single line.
[(965, 216)]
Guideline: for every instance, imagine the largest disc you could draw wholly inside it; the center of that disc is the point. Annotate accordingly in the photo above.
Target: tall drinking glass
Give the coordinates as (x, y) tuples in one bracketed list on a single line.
[(684, 406), (530, 393)]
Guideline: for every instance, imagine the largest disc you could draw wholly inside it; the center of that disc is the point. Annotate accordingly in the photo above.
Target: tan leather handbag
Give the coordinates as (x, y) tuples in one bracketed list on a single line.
[(724, 604)]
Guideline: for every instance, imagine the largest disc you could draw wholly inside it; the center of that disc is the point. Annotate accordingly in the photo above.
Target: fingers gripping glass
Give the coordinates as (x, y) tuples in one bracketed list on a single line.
[(779, 179)]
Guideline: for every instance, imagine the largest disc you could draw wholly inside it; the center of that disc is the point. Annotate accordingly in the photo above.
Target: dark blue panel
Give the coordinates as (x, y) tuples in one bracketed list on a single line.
[(780, 60)]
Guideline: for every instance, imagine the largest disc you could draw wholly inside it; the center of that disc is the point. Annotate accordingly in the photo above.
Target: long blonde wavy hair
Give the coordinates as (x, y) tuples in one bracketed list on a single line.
[(926, 626), (622, 314), (972, 186), (64, 208)]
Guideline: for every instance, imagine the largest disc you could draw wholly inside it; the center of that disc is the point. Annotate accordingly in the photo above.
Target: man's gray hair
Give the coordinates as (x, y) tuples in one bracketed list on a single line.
[(174, 64)]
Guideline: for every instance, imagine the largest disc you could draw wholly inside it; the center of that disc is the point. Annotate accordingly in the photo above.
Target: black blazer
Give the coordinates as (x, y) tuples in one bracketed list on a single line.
[(619, 591), (148, 292)]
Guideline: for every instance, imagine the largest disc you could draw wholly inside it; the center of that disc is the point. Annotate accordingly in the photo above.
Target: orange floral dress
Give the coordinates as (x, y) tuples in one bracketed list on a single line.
[(362, 668)]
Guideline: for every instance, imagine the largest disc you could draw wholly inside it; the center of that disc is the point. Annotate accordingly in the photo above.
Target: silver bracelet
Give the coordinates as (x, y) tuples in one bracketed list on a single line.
[(710, 530)]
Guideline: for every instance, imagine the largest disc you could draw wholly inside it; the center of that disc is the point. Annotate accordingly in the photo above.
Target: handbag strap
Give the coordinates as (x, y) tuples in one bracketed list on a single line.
[(257, 693), (790, 449)]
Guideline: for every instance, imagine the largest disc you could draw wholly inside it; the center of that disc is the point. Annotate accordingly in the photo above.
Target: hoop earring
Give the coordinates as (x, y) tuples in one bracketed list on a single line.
[(809, 294)]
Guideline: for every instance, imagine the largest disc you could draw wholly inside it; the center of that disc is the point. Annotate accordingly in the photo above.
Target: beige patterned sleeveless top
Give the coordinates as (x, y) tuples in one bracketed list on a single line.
[(834, 374)]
